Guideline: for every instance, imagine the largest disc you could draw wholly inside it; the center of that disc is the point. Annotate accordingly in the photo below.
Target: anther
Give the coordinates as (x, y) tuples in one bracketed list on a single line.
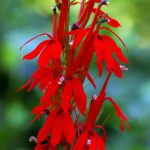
[(94, 97), (104, 20), (61, 80), (123, 68), (54, 9), (47, 112), (75, 26), (33, 139), (71, 43), (88, 142), (104, 2)]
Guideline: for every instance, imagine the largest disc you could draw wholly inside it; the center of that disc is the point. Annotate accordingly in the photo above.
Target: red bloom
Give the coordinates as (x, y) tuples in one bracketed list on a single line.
[(48, 50), (112, 22), (59, 125), (105, 47), (89, 140), (64, 60), (73, 88)]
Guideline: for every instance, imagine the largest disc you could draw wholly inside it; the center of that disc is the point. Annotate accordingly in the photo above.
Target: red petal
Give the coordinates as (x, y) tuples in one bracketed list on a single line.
[(45, 130), (37, 50), (79, 95), (40, 108), (41, 76), (57, 131), (118, 110), (105, 28), (24, 86), (104, 132), (102, 52), (43, 34), (74, 3), (98, 48), (33, 84), (45, 56), (91, 80), (50, 90), (78, 38), (114, 23), (117, 70), (120, 114), (55, 50), (68, 128), (66, 95), (107, 56), (93, 145), (73, 32), (114, 48), (99, 141), (81, 141)]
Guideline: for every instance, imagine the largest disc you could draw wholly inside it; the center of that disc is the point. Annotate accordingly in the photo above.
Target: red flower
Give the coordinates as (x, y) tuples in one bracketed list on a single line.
[(119, 113), (105, 47), (64, 60), (48, 50), (59, 125), (112, 22), (73, 88), (97, 103), (89, 140)]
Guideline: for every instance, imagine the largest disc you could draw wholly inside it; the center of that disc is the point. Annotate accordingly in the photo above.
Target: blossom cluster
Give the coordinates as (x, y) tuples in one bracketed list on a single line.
[(63, 61)]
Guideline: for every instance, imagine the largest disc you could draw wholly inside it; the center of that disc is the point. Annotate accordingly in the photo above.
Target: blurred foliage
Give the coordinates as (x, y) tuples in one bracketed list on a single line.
[(21, 20)]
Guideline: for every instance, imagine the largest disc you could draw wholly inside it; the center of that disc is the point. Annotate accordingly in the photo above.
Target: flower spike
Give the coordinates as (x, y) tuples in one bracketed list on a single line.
[(64, 64)]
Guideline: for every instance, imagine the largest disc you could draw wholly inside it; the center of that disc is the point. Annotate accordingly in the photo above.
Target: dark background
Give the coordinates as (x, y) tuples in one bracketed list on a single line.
[(21, 20)]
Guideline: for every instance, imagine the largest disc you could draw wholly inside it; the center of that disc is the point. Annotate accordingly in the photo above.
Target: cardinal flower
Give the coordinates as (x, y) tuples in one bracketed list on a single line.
[(97, 103), (105, 47), (59, 126), (47, 50), (73, 88), (111, 21), (64, 61), (89, 140)]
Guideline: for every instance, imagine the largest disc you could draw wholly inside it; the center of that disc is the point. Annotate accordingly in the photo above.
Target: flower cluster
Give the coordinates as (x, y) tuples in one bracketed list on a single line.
[(63, 61)]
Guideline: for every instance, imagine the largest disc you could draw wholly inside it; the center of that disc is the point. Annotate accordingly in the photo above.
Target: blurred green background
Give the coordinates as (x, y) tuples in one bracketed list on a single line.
[(21, 20)]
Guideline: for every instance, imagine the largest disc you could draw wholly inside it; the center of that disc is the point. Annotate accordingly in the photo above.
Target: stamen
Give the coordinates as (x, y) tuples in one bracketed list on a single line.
[(88, 142), (123, 68), (47, 112), (71, 43), (33, 139), (104, 2), (94, 97), (104, 20), (75, 26), (61, 80), (54, 9)]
